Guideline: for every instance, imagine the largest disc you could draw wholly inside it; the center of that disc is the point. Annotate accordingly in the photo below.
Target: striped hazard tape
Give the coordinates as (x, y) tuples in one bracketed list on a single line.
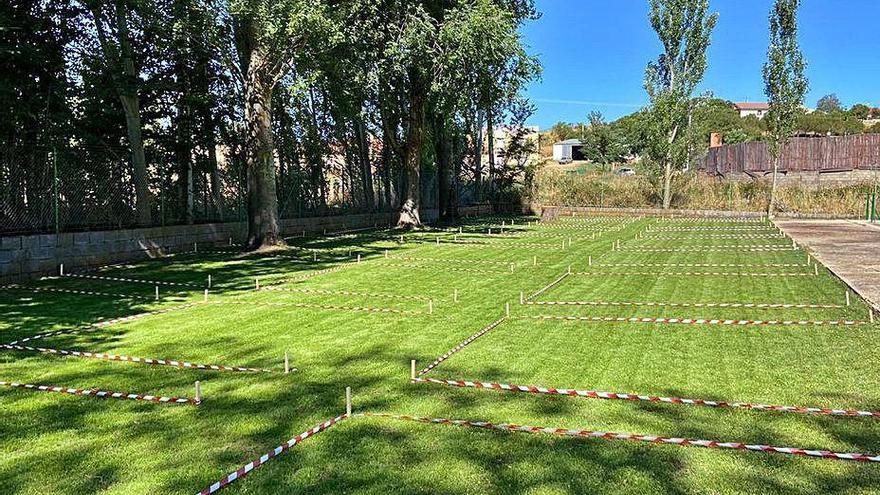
[(705, 265), (447, 268), (698, 321), (74, 291), (346, 293), (103, 394), (104, 323), (449, 260), (767, 236), (249, 467), (131, 359), (692, 274), (711, 444), (593, 394), (549, 286), (712, 229), (744, 247), (462, 345), (316, 273), (132, 280), (686, 305), (334, 307)]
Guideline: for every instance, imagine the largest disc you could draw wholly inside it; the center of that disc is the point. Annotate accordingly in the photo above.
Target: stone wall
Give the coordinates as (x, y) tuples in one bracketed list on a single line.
[(33, 256)]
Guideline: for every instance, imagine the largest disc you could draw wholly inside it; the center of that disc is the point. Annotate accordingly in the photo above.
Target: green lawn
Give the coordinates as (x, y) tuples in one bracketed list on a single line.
[(359, 324)]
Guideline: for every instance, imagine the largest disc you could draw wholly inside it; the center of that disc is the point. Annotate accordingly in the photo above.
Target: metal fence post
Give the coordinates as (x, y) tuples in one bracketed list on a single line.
[(55, 187)]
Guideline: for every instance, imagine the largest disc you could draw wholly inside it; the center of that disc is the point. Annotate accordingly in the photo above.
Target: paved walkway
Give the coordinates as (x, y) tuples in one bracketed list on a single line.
[(850, 248)]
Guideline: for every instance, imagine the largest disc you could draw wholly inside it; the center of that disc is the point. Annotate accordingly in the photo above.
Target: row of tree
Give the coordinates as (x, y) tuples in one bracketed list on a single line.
[(277, 95)]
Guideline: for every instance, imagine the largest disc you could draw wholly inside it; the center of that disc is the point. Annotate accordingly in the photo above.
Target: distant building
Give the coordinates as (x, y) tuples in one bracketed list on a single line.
[(568, 150), (503, 134), (757, 109)]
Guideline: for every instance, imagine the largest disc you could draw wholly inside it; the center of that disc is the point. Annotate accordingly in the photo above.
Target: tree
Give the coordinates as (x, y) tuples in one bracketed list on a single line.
[(601, 144), (269, 36), (829, 104), (111, 24), (684, 28), (784, 83), (860, 111)]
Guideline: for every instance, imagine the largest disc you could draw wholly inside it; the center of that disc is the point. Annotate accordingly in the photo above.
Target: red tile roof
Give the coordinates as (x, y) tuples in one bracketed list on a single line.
[(751, 106)]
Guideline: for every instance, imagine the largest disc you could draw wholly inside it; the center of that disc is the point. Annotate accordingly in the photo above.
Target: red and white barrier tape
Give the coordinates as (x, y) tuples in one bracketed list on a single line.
[(249, 467), (500, 244), (316, 273), (74, 291), (687, 305), (105, 323), (767, 236), (548, 286), (691, 274), (346, 293), (334, 307), (698, 321), (744, 247), (712, 229), (594, 394), (462, 345), (101, 393), (704, 265), (132, 280), (131, 359), (448, 260), (711, 444), (447, 268)]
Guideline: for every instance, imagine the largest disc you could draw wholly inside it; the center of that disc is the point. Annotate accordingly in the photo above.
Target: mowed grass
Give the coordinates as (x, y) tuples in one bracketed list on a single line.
[(52, 443)]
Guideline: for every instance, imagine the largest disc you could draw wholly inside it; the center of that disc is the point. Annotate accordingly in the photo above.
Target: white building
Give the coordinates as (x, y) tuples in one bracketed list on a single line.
[(568, 150), (757, 109)]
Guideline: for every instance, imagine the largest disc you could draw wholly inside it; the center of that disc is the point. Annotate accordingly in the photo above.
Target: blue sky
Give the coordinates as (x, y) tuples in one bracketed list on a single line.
[(594, 54)]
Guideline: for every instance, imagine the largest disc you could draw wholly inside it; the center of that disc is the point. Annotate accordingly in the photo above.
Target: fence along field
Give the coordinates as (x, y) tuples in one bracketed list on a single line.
[(472, 318)]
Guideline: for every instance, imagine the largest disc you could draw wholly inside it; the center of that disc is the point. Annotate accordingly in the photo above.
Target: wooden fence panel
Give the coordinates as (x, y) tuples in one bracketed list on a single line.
[(825, 154)]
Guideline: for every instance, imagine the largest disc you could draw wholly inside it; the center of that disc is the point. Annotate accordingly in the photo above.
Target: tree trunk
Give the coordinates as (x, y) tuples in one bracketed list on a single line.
[(412, 154), (443, 156), (478, 158), (490, 135), (128, 95), (771, 206), (667, 185), (263, 226), (365, 165)]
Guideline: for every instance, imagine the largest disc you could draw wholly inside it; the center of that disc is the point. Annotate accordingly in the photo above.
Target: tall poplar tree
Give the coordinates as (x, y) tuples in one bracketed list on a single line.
[(784, 83)]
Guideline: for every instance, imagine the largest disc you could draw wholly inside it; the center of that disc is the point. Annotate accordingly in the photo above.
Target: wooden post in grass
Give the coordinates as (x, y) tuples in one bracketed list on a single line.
[(569, 242), (590, 260), (286, 363), (438, 240), (847, 297), (522, 297), (459, 230), (618, 244), (401, 238), (412, 369), (871, 314), (230, 241), (256, 284), (793, 244), (206, 295), (455, 295), (490, 230), (359, 257), (507, 309), (430, 306), (314, 256), (563, 244), (61, 269), (198, 392), (816, 269), (386, 254), (157, 292), (511, 267), (209, 280), (348, 401), (569, 269), (534, 260), (195, 247)]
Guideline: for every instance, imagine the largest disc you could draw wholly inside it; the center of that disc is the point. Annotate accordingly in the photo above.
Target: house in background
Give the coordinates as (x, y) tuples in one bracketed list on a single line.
[(568, 151), (757, 109), (503, 134)]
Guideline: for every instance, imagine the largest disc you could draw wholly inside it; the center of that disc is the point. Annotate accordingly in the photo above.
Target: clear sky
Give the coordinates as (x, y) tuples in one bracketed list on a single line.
[(594, 54)]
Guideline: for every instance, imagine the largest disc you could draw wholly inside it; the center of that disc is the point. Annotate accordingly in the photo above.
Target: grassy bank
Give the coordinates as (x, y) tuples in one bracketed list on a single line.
[(697, 191)]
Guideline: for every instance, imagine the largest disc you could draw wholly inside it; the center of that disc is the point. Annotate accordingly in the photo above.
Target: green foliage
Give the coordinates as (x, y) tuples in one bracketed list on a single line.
[(829, 104), (860, 111), (835, 124), (602, 144)]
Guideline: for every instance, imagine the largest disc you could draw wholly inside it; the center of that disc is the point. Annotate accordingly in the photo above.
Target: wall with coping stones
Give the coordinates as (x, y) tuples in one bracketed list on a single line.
[(32, 256)]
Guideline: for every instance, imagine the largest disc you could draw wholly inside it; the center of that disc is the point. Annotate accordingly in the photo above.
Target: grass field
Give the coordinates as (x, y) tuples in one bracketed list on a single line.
[(355, 324)]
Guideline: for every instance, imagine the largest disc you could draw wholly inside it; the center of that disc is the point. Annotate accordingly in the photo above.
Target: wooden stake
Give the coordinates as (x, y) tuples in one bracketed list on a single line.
[(459, 230), (847, 298), (871, 315), (816, 269), (230, 240), (209, 280), (198, 392), (430, 306), (401, 238), (195, 247), (455, 295), (522, 297), (286, 363), (507, 309), (590, 260), (206, 295), (490, 231), (61, 269), (511, 268), (359, 257), (257, 284), (438, 240), (569, 269), (535, 260), (157, 292), (348, 401), (386, 254), (412, 369)]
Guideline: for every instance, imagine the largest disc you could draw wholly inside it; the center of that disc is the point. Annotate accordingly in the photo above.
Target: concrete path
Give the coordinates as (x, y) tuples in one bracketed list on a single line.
[(850, 248)]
